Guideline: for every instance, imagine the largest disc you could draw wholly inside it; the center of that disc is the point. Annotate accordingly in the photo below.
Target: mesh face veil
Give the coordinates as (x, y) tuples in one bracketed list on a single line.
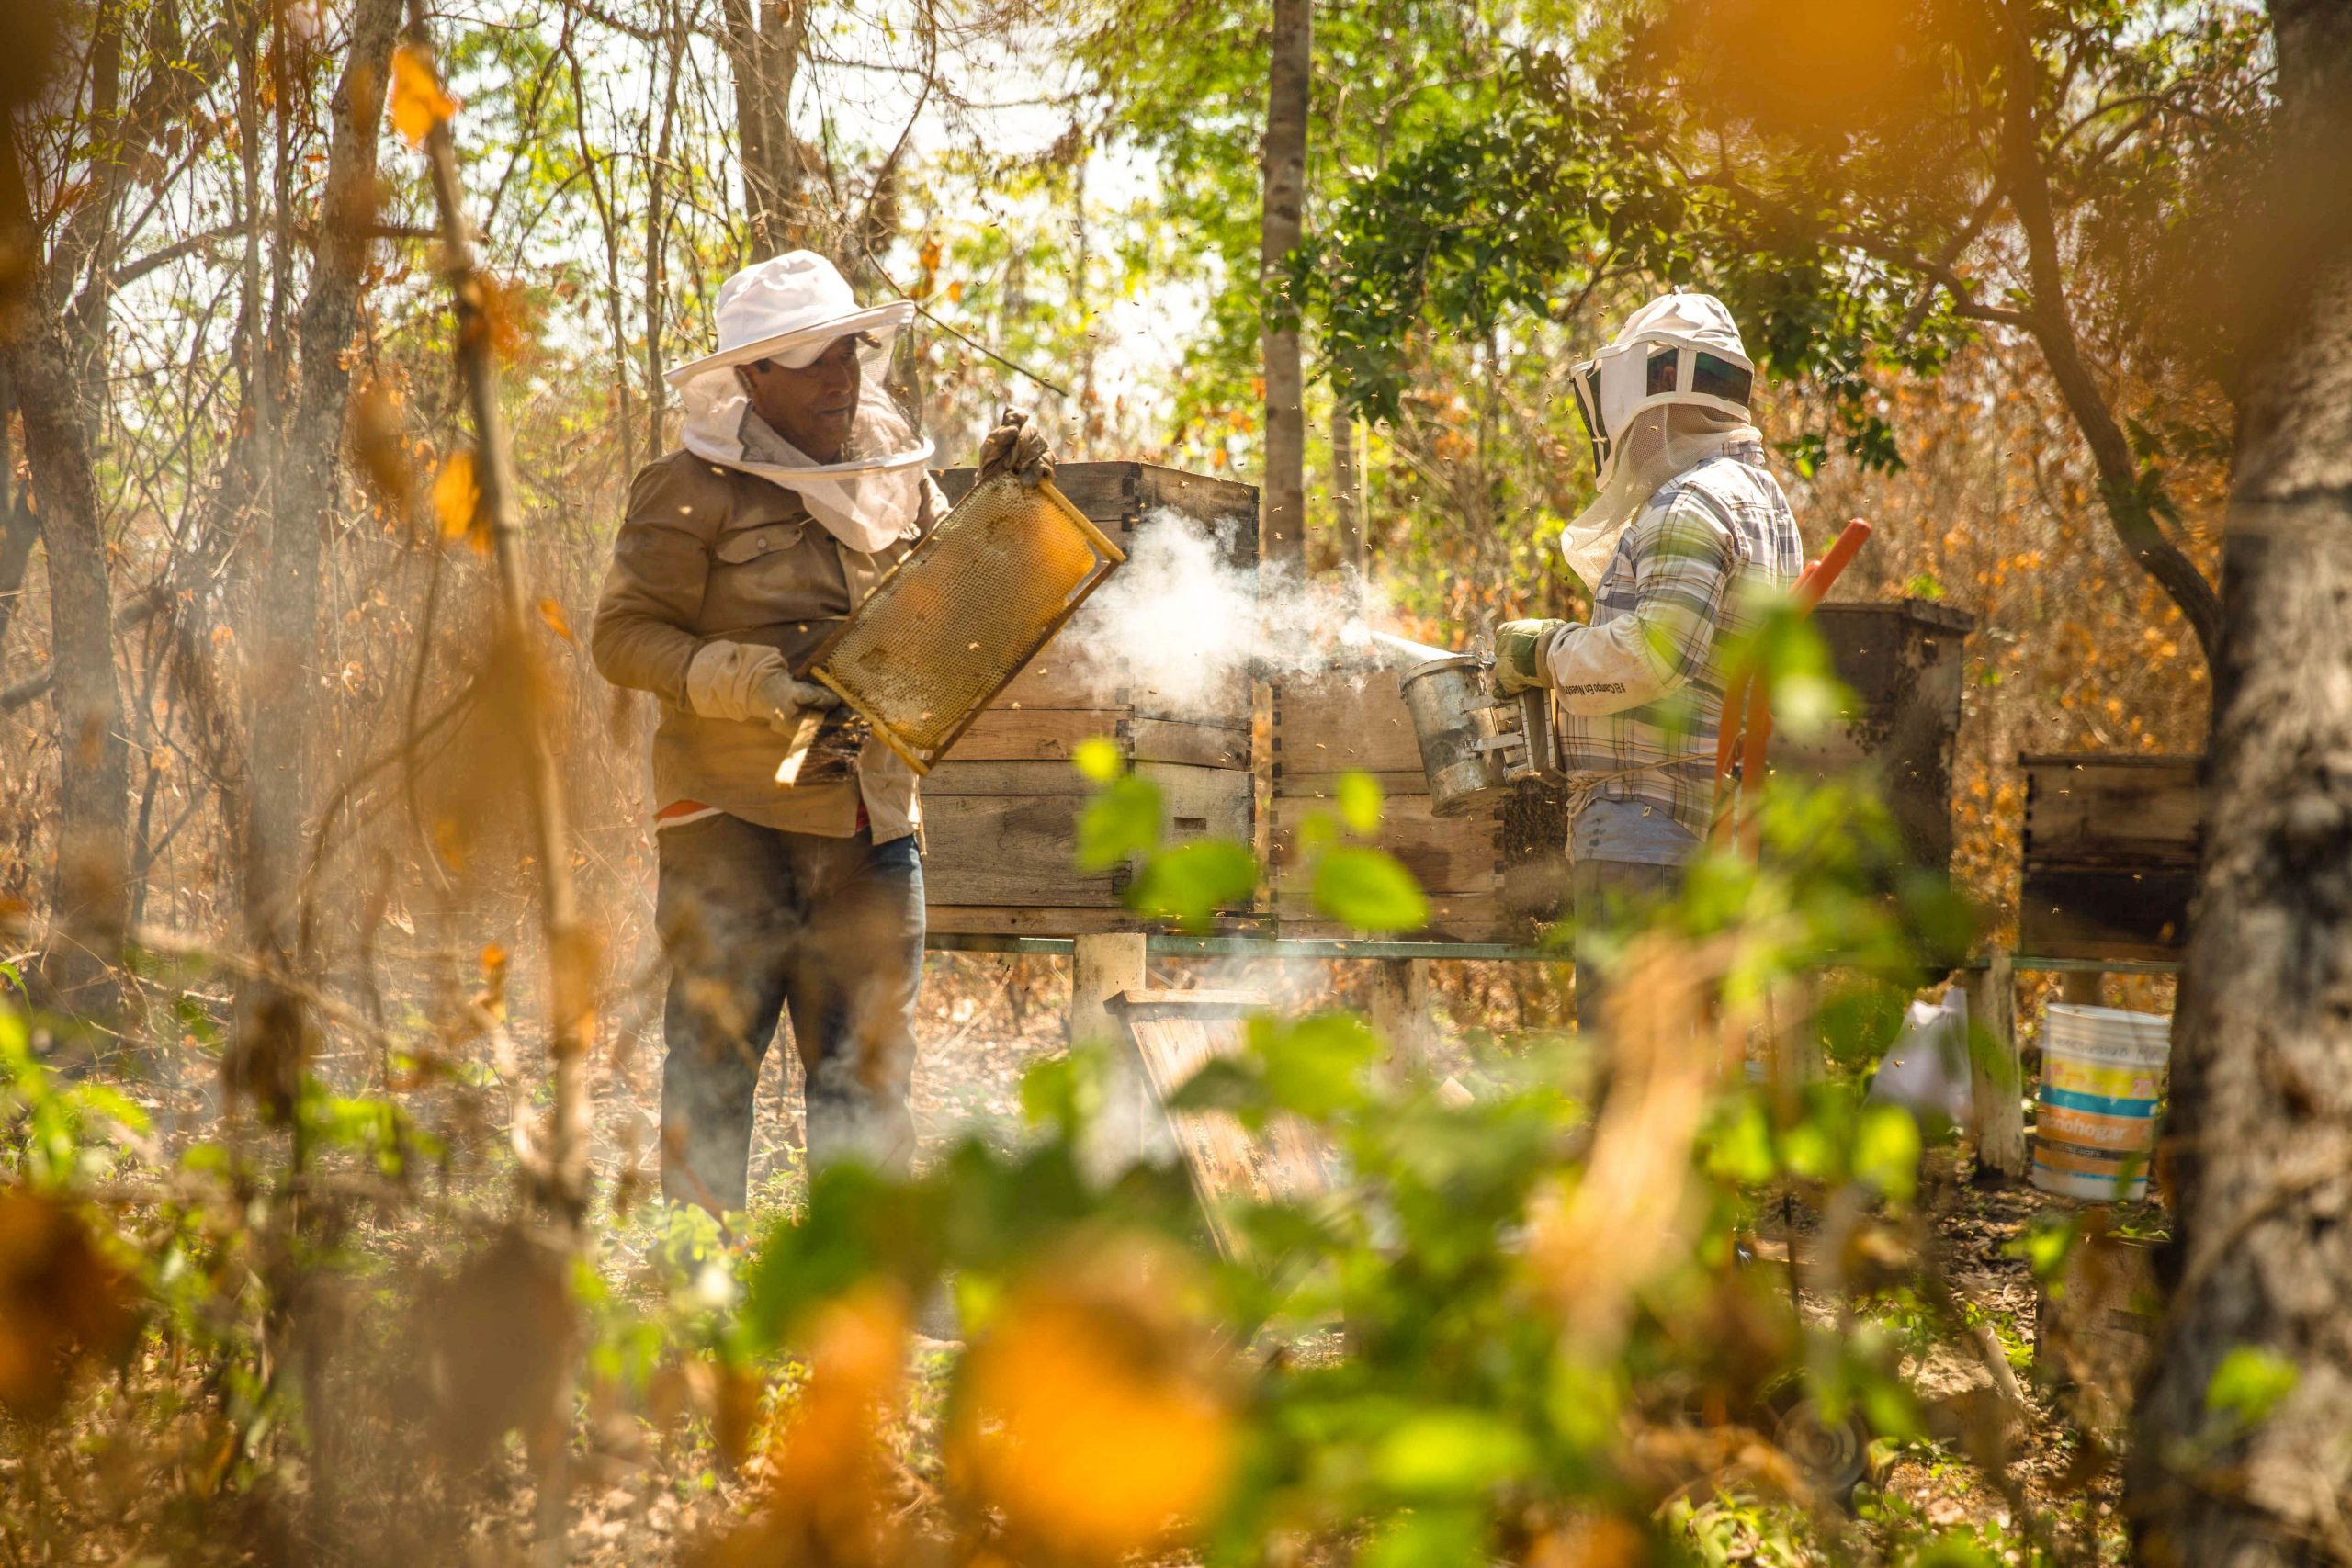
[(1625, 378), (790, 309), (1670, 392), (869, 496)]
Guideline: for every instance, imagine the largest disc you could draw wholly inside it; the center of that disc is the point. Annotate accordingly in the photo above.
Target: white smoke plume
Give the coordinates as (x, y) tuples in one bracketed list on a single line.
[(1184, 630)]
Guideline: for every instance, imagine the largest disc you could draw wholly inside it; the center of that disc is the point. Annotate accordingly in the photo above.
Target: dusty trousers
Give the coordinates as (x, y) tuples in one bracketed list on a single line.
[(1627, 861), (756, 922)]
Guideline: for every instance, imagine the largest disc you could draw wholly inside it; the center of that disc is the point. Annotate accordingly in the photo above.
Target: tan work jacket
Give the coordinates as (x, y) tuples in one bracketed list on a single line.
[(708, 553)]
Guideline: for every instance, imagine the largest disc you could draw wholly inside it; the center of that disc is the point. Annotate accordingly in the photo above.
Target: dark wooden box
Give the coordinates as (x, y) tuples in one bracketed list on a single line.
[(1904, 663), (2111, 845), (1000, 812)]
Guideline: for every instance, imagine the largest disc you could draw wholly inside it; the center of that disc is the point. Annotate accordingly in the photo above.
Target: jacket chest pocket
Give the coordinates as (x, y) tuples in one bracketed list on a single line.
[(771, 572)]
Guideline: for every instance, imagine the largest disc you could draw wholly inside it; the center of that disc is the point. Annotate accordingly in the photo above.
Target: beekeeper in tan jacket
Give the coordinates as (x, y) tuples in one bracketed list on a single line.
[(798, 487)]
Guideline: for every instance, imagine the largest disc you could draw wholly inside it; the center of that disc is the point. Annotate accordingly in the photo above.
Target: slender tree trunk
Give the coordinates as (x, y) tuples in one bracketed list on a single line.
[(91, 894), (762, 40), (657, 231), (1282, 525), (19, 528), (2260, 1135), (288, 580), (607, 220), (556, 1176)]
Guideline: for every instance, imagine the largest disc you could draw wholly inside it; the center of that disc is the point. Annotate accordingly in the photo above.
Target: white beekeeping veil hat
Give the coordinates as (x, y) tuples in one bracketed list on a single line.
[(790, 309), (1669, 391)]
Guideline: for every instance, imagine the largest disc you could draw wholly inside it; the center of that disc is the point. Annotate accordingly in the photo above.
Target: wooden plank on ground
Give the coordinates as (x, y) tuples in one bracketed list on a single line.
[(1175, 1035)]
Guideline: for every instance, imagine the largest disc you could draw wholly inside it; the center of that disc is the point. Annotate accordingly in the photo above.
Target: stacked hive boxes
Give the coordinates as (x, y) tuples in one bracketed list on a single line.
[(1330, 724), (1000, 813)]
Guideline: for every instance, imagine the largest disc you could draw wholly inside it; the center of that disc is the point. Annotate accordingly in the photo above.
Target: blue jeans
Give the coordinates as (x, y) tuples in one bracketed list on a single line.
[(756, 922), (1627, 858)]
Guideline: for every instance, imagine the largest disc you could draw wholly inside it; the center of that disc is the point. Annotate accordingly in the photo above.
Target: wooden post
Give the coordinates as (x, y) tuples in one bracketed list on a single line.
[(1400, 1011), (1101, 967), (1997, 1079), (2085, 988)]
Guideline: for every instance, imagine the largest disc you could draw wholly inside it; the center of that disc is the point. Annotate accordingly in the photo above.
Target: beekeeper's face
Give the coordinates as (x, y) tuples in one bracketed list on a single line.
[(815, 406)]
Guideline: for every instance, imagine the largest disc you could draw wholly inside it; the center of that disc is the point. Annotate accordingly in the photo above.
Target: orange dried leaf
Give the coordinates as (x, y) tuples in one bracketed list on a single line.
[(418, 102), (552, 613), (456, 496)]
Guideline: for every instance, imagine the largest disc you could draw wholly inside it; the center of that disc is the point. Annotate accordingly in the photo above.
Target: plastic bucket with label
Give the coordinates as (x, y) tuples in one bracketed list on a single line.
[(2095, 1123)]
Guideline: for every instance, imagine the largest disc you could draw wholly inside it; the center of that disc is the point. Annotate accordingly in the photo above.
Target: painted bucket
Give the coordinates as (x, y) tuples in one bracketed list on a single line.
[(2095, 1121)]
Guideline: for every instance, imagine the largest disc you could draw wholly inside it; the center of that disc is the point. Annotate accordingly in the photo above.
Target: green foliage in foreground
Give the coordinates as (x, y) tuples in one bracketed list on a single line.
[(1510, 1319)]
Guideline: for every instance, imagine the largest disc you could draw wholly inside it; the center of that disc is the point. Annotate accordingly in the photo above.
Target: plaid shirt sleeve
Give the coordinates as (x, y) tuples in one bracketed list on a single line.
[(1683, 563)]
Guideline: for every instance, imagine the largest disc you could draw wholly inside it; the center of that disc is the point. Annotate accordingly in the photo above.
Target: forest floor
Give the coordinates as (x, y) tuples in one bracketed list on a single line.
[(984, 1022)]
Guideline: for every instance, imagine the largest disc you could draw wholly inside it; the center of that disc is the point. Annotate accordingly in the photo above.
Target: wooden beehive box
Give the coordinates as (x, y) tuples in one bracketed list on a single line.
[(1497, 877), (1000, 813), (1904, 662), (1328, 725), (2111, 845)]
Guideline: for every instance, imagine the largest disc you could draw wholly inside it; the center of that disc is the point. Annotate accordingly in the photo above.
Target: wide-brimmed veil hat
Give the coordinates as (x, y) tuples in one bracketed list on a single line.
[(787, 308), (790, 309)]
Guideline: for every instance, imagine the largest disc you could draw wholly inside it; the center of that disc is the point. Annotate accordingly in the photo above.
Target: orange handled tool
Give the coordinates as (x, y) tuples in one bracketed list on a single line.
[(1747, 722)]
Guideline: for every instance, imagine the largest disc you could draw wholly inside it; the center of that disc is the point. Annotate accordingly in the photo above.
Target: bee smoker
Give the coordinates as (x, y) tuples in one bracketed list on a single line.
[(1475, 742)]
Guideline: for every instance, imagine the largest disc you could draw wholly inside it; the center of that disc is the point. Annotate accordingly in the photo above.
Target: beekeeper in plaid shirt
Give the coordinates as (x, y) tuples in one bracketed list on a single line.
[(1687, 527)]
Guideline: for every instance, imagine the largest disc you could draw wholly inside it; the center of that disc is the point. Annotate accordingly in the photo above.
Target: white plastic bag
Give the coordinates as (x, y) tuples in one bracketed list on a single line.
[(1926, 1070)]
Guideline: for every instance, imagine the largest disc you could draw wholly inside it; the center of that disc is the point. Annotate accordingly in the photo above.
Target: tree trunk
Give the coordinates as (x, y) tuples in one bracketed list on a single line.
[(1281, 532), (91, 895), (18, 527), (657, 232), (2260, 1135), (288, 580), (765, 52)]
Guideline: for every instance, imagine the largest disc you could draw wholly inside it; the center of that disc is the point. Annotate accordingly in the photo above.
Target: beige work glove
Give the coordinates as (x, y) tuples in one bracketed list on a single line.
[(749, 684), (1017, 447)]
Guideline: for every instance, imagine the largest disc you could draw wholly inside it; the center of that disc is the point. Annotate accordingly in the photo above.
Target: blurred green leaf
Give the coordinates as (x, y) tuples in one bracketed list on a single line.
[(1223, 1084), (1805, 707), (2046, 1244), (2249, 1383), (1741, 1150), (1119, 824), (1450, 1453), (1313, 1065), (1099, 758), (1359, 803), (1191, 881), (1063, 1092), (1368, 889), (1887, 1151)]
